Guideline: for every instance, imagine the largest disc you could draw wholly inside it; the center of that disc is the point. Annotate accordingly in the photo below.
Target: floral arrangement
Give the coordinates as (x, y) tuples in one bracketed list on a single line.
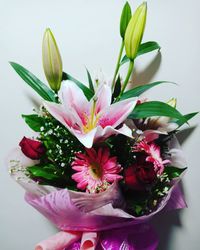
[(103, 160)]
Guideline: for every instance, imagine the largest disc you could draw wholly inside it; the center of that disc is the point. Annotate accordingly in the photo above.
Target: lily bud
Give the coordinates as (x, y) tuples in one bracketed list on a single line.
[(135, 30), (125, 18), (172, 102), (52, 62)]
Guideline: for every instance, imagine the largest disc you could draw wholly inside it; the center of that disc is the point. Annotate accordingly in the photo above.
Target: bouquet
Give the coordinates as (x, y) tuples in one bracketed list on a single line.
[(103, 160)]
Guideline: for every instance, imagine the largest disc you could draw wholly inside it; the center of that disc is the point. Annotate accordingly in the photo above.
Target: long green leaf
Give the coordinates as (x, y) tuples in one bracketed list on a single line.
[(48, 172), (137, 91), (87, 92), (124, 60), (90, 81), (173, 172), (143, 49), (155, 108), (148, 47), (187, 118), (43, 90), (35, 122), (117, 89), (125, 18)]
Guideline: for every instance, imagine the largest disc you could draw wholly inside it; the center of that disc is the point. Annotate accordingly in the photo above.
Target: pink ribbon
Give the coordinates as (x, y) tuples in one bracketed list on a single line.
[(63, 240), (137, 237)]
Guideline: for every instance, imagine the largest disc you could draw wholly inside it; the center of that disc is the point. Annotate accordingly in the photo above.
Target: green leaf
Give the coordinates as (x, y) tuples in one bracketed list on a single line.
[(137, 91), (124, 60), (187, 118), (138, 209), (125, 18), (143, 49), (87, 92), (48, 172), (117, 89), (155, 108), (90, 81), (35, 122), (43, 90), (148, 47), (173, 172)]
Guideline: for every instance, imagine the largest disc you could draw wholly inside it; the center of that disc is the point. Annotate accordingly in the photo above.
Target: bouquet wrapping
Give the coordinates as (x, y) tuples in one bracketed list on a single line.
[(91, 219)]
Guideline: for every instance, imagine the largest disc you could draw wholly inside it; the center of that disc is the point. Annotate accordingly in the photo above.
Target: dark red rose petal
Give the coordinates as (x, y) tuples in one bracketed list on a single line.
[(31, 148)]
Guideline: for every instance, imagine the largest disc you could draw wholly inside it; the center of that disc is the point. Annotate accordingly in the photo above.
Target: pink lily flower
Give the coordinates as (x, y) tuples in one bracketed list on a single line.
[(91, 120)]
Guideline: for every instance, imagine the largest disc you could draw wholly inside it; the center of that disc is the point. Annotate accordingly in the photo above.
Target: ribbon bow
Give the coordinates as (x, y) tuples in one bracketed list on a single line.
[(137, 237)]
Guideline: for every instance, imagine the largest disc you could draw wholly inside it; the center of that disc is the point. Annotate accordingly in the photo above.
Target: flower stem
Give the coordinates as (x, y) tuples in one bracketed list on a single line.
[(130, 69), (118, 64)]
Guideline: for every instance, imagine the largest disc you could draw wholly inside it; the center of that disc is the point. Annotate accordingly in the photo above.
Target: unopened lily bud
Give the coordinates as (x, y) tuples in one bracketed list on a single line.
[(125, 18), (172, 102), (52, 62), (135, 30)]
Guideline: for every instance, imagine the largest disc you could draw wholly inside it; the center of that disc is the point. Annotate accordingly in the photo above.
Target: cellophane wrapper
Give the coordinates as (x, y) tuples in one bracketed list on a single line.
[(94, 221)]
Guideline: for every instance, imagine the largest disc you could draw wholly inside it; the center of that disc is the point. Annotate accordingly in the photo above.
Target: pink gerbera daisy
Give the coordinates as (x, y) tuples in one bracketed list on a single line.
[(153, 155), (96, 170)]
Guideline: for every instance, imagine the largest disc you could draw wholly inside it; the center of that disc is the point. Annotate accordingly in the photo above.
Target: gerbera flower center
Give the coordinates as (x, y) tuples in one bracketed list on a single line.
[(92, 119), (95, 170)]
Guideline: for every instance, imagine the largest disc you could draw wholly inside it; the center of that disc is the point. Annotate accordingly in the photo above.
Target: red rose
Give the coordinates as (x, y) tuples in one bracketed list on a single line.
[(140, 174), (31, 148)]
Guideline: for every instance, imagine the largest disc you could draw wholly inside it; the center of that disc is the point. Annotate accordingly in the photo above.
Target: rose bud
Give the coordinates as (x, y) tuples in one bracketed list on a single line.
[(140, 175), (52, 62), (31, 148), (134, 31)]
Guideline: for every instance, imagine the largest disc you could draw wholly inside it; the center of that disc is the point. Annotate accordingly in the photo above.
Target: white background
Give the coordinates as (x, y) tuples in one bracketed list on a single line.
[(87, 35)]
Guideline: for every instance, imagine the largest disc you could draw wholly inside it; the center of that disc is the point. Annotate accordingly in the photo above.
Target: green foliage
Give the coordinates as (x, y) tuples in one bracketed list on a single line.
[(48, 171), (121, 146), (34, 121), (125, 18), (173, 172), (155, 108), (137, 91), (148, 47), (90, 81), (59, 142), (43, 90), (187, 118), (87, 92), (49, 174), (143, 49), (55, 166), (117, 88)]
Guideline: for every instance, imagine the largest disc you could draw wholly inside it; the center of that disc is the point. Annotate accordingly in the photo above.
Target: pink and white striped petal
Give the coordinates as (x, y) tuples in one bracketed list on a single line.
[(116, 113)]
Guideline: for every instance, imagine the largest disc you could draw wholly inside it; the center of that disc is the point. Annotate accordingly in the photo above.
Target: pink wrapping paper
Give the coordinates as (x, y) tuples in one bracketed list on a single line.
[(87, 214)]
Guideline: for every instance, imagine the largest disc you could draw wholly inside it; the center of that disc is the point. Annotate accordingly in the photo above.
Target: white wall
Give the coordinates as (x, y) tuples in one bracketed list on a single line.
[(87, 34)]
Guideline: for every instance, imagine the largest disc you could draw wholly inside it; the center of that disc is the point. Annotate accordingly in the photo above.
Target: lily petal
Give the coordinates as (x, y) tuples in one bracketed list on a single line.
[(73, 98), (75, 111), (86, 139), (65, 117), (103, 133), (115, 114), (100, 134), (104, 96)]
